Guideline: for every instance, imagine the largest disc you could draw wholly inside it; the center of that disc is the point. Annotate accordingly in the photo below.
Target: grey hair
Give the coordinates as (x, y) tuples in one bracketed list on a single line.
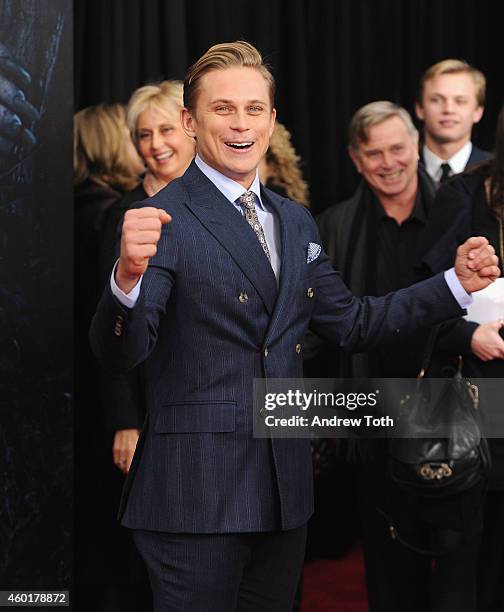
[(373, 114)]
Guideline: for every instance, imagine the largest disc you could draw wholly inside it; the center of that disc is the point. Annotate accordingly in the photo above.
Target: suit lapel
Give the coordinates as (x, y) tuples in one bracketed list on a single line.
[(293, 261), (232, 231)]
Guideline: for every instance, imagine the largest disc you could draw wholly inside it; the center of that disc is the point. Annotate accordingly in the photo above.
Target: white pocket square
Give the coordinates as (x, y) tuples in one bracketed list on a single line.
[(313, 251)]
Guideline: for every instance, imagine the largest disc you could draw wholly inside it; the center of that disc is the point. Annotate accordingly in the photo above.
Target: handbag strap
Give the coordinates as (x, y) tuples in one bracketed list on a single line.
[(426, 552), (428, 350)]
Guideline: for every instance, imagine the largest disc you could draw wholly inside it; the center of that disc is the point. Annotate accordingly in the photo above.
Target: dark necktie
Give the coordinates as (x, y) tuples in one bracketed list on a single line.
[(445, 172), (248, 201)]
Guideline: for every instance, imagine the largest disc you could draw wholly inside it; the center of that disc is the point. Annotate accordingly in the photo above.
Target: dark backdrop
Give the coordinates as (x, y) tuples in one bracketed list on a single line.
[(329, 58)]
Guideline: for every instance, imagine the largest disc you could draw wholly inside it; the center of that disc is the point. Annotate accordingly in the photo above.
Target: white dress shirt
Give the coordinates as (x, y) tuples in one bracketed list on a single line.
[(457, 163)]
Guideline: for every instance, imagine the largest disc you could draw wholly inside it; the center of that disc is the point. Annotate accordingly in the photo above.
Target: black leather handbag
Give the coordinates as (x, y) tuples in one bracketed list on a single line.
[(439, 466)]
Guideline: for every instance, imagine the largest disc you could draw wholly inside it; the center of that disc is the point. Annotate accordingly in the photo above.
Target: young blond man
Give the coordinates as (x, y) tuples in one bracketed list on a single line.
[(451, 101)]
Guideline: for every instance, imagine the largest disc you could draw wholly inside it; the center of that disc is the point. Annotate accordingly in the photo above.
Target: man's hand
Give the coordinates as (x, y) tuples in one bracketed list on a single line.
[(476, 264), (486, 342), (140, 234), (123, 448)]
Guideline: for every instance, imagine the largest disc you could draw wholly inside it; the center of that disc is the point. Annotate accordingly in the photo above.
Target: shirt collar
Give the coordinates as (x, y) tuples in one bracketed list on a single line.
[(417, 212), (457, 162), (230, 189)]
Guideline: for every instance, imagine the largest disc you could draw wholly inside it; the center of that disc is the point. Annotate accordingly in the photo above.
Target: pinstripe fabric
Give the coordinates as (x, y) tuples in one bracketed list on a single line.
[(223, 572), (198, 469)]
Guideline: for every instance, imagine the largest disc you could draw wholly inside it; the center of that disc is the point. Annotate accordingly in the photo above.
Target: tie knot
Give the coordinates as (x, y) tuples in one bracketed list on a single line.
[(248, 199)]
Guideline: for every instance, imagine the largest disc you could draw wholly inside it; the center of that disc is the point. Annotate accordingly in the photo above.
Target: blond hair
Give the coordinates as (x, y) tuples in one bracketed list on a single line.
[(283, 166), (220, 57), (161, 96), (374, 113), (99, 147), (455, 66)]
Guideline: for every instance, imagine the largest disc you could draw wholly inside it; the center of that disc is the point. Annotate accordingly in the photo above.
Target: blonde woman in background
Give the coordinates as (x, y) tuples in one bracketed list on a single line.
[(103, 153), (154, 122), (280, 168)]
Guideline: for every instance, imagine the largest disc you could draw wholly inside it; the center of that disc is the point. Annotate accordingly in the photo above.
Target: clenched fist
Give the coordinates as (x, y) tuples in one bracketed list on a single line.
[(140, 234), (476, 264)]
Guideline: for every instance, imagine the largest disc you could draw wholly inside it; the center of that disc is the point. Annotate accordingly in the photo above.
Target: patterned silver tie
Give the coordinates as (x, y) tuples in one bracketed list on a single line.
[(248, 201)]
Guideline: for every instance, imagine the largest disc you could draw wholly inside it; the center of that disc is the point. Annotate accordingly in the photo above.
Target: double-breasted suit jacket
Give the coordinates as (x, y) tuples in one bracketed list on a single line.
[(210, 318)]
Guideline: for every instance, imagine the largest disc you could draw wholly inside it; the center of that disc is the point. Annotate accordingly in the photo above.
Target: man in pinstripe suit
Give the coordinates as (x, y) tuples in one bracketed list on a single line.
[(217, 282)]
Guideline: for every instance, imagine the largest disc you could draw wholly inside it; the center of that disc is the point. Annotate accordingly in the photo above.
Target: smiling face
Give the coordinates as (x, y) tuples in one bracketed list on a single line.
[(232, 121), (449, 108), (388, 161), (163, 144)]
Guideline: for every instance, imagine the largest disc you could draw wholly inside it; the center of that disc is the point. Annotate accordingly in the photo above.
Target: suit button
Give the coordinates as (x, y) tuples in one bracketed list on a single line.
[(310, 293), (243, 297), (265, 352), (118, 325), (298, 348)]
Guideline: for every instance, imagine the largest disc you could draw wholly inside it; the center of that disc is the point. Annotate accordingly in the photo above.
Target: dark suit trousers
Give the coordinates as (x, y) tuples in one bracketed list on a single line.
[(251, 572)]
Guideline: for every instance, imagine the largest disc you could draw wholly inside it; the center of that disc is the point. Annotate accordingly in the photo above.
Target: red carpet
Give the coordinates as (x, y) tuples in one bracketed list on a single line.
[(335, 585)]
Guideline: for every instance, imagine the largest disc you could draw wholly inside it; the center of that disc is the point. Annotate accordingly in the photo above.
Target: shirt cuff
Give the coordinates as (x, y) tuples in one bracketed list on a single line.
[(126, 299), (459, 293)]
